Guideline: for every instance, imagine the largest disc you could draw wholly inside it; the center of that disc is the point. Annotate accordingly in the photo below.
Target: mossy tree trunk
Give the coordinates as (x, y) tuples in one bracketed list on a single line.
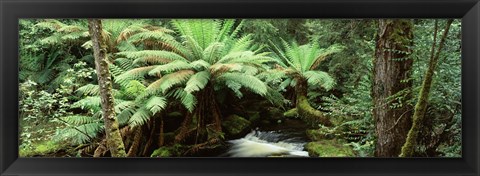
[(391, 77), (304, 109), (113, 136), (408, 149)]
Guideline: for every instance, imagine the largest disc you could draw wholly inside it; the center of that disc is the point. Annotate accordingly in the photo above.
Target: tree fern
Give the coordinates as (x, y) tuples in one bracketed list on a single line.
[(248, 81), (213, 52), (134, 74), (88, 103), (168, 81), (152, 53), (170, 67), (79, 119), (320, 78), (200, 65), (89, 90), (156, 104), (197, 82), (140, 117)]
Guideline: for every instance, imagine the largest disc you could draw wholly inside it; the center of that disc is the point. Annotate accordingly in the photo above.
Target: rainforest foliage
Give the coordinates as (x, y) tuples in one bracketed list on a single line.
[(185, 87)]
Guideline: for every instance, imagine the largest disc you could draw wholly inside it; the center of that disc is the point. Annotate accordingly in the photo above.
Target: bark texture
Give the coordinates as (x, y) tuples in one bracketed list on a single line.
[(408, 149), (113, 136), (391, 77)]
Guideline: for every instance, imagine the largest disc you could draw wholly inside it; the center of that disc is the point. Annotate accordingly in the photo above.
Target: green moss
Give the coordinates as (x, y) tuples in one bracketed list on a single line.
[(292, 113), (319, 134), (162, 152), (168, 151), (329, 148), (306, 111), (41, 149), (235, 126)]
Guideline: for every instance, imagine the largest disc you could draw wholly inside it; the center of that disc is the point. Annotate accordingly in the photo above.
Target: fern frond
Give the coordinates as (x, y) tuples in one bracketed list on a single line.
[(81, 134), (140, 117), (134, 74), (151, 60), (51, 24), (227, 28), (325, 53), (134, 88), (248, 81), (194, 47), (170, 67), (235, 87), (79, 119), (200, 65), (88, 103), (187, 99), (213, 52), (287, 82), (124, 116), (168, 81), (161, 39), (156, 104), (197, 82), (71, 29), (242, 44), (125, 64), (152, 53), (272, 76), (124, 105), (275, 97), (218, 68), (320, 78), (89, 90)]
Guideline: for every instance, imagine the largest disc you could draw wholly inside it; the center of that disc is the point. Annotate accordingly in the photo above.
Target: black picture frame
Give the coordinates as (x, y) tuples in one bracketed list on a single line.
[(12, 10)]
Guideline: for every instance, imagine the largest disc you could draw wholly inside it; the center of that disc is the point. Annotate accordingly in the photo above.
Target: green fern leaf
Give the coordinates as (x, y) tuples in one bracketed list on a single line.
[(156, 104), (197, 82)]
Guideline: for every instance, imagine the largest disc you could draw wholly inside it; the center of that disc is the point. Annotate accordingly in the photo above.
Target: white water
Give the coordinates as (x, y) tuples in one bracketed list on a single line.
[(264, 144)]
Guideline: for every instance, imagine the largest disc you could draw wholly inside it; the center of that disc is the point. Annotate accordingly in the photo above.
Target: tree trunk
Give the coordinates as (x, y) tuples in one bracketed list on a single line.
[(206, 114), (304, 109), (392, 70), (114, 139), (408, 149)]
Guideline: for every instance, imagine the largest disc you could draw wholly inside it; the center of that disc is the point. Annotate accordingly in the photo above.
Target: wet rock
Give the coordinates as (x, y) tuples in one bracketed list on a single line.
[(329, 148), (235, 126)]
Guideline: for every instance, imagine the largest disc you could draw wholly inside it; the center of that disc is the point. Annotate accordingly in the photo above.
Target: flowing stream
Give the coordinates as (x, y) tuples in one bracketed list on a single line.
[(280, 143), (268, 144)]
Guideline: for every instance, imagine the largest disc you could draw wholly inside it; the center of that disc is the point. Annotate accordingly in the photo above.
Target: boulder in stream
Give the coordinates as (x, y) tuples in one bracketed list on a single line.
[(235, 126)]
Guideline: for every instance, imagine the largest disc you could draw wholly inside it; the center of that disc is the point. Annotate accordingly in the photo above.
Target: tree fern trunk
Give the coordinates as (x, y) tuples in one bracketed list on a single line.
[(132, 152), (114, 139), (304, 109), (391, 74), (408, 149), (206, 112)]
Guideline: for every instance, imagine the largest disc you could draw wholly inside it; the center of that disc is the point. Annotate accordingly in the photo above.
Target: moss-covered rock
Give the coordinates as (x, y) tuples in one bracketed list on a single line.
[(162, 152), (254, 117), (319, 134), (275, 113), (235, 126), (168, 151), (45, 148), (329, 148)]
